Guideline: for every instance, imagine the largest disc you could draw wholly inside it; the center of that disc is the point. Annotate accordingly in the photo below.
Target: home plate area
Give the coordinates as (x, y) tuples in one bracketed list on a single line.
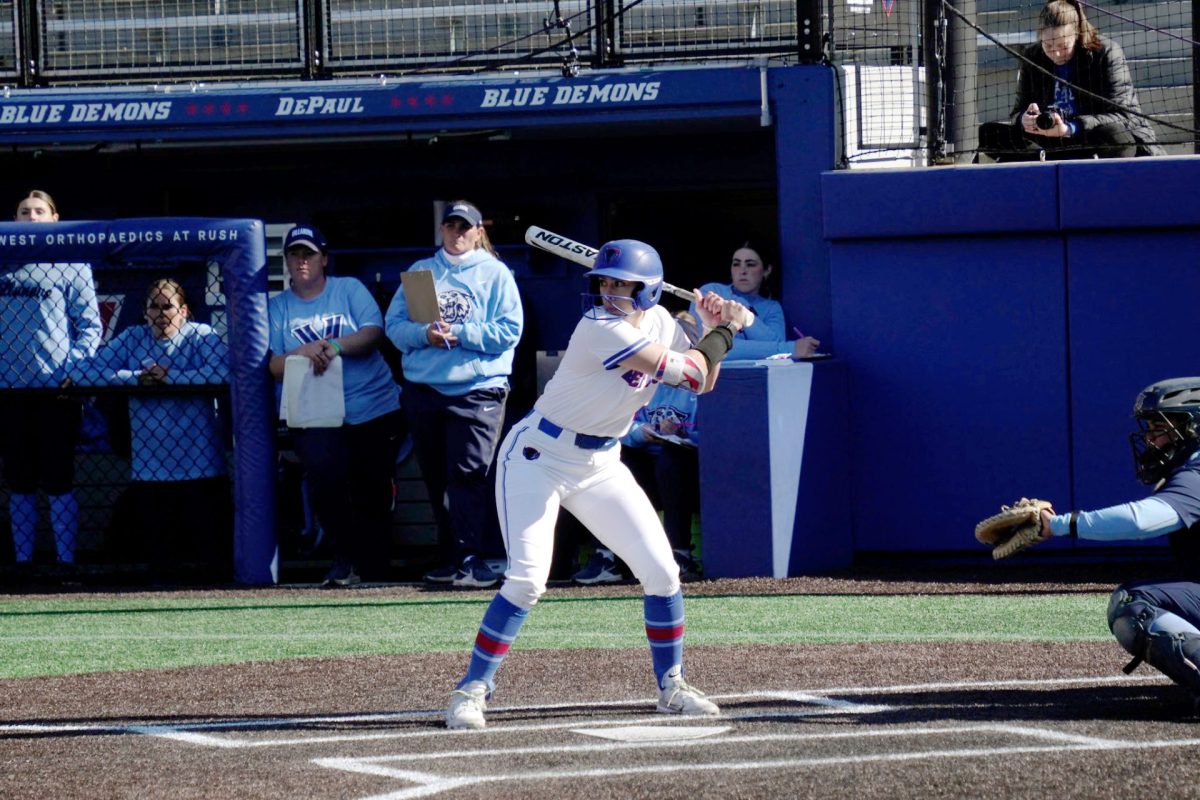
[(607, 749)]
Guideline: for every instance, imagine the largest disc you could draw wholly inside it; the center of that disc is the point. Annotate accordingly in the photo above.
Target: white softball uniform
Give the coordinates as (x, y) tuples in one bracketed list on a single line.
[(565, 454)]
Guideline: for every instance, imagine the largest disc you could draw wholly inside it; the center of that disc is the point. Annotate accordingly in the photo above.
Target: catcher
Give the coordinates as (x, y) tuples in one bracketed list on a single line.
[(1155, 621)]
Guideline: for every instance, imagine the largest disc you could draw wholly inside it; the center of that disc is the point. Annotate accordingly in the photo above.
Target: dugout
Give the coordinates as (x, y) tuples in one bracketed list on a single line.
[(689, 158)]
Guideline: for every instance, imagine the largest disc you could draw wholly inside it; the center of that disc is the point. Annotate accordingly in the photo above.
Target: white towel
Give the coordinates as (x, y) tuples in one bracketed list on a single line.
[(312, 401)]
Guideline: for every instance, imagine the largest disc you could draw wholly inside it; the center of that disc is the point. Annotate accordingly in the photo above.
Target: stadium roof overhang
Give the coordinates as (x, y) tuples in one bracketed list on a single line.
[(601, 103)]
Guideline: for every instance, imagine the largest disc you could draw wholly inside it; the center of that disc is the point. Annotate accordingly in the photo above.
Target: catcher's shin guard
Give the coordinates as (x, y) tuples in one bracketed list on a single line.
[(1176, 655), (1129, 620)]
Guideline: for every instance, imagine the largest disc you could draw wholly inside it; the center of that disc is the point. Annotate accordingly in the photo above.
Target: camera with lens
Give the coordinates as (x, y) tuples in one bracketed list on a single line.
[(1045, 120)]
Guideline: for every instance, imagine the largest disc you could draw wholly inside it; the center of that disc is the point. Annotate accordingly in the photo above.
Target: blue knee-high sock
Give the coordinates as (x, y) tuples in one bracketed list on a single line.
[(664, 629), (499, 628), (23, 511), (64, 518)]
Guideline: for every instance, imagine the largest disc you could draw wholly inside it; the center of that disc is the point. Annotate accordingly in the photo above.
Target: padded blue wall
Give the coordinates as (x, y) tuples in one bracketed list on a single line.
[(997, 323), (801, 99)]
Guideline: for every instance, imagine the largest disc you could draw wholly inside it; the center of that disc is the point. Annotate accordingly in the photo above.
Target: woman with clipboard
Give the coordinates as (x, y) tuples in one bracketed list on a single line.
[(456, 320)]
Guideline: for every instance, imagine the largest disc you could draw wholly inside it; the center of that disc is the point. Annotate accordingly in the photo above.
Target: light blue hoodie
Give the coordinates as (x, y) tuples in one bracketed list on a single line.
[(478, 299), (48, 320)]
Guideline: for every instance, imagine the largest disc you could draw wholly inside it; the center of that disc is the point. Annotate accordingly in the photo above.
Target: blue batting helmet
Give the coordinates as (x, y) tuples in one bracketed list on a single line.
[(633, 261)]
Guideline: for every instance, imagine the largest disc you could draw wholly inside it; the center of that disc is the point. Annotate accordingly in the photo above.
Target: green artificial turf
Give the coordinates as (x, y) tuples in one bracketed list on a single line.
[(63, 636)]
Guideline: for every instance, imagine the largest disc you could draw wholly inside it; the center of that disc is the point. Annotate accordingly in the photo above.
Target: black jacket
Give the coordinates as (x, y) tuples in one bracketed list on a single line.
[(1101, 72)]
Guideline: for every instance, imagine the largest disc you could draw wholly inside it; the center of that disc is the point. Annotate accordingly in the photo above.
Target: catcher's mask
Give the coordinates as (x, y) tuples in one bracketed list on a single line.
[(627, 260), (1168, 419)]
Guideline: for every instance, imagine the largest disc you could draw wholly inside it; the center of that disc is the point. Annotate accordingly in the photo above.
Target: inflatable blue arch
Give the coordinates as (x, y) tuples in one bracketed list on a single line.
[(238, 246)]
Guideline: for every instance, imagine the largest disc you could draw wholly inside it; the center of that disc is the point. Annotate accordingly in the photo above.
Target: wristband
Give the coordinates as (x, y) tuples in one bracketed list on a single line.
[(333, 343), (715, 344), (1074, 533)]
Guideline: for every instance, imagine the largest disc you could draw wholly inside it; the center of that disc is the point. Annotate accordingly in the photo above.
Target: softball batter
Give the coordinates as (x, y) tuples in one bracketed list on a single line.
[(565, 454)]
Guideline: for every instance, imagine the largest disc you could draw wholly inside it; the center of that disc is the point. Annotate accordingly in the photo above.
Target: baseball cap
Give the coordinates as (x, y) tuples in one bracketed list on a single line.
[(463, 210), (305, 236)]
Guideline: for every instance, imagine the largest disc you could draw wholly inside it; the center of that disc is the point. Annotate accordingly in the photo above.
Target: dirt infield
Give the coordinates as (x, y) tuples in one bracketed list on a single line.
[(853, 721)]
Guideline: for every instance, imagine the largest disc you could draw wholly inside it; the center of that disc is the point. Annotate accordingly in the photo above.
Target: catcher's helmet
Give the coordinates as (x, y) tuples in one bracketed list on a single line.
[(1168, 418), (628, 260)]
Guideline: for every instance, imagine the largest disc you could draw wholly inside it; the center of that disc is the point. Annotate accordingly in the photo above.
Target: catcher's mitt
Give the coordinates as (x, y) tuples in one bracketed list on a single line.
[(1014, 528)]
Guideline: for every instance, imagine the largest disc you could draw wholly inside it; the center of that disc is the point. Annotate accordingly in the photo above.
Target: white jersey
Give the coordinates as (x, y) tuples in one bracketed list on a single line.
[(590, 392)]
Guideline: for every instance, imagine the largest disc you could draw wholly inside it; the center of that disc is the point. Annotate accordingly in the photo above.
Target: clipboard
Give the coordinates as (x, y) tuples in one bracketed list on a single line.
[(420, 296)]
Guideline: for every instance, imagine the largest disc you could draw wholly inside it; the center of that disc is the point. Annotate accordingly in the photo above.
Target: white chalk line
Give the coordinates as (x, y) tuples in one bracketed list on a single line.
[(820, 707), (430, 784), (195, 733), (605, 747), (815, 701)]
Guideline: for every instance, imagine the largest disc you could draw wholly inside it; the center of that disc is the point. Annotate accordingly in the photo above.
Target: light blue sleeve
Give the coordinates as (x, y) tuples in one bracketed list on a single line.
[(769, 324), (109, 366), (213, 355), (636, 436), (275, 323), (363, 307), (83, 313), (1143, 519), (403, 332), (501, 330)]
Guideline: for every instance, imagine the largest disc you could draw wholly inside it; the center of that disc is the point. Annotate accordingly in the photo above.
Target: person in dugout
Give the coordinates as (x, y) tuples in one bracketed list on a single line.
[(49, 320)]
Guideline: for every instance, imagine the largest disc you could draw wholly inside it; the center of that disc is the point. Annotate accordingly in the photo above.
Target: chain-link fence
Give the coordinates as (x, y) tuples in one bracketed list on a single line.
[(1149, 45), (113, 419)]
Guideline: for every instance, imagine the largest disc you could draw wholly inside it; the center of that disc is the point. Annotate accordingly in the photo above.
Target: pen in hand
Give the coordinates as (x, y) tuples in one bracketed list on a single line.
[(799, 333)]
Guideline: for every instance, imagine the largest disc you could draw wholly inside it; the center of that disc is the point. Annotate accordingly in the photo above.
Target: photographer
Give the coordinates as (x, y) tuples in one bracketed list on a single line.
[(1075, 98)]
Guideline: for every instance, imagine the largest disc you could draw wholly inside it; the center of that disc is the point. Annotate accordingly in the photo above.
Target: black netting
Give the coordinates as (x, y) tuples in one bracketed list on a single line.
[(1151, 115), (937, 82)]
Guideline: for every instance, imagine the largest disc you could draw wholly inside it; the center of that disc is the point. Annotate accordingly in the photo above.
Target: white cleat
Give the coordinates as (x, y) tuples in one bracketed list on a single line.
[(677, 697), (466, 707)]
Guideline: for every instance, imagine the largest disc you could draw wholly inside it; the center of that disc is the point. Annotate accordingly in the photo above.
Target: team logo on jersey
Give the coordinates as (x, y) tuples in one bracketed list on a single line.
[(638, 380), (455, 306), (669, 419), (329, 326), (13, 288)]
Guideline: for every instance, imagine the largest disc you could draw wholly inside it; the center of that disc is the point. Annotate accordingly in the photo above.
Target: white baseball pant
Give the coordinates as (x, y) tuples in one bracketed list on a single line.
[(537, 473)]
